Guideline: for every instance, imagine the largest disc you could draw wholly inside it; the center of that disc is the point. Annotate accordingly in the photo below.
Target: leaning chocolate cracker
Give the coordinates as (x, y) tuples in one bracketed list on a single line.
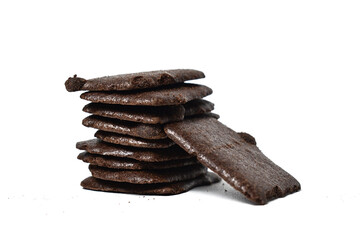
[(150, 114), (131, 164), (132, 81), (142, 130), (96, 146), (149, 189), (233, 157), (131, 141), (169, 95), (148, 176)]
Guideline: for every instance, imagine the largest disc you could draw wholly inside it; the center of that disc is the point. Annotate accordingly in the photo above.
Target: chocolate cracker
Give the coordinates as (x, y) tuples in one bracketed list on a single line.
[(142, 130), (149, 189), (127, 140), (148, 176), (150, 114), (132, 81), (131, 164), (143, 114), (96, 146), (233, 157), (169, 95)]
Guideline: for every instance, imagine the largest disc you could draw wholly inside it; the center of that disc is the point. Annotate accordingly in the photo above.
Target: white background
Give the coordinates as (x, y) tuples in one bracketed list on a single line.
[(285, 71)]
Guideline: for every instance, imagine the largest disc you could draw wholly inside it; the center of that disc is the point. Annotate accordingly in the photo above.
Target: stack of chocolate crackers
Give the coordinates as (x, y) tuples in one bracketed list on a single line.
[(131, 152), (156, 135)]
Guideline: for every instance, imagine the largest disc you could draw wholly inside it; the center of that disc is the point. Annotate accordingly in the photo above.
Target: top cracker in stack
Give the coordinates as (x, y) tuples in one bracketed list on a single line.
[(146, 110), (132, 152)]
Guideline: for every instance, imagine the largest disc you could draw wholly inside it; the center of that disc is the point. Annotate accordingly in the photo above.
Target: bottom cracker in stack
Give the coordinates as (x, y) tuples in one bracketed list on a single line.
[(149, 189)]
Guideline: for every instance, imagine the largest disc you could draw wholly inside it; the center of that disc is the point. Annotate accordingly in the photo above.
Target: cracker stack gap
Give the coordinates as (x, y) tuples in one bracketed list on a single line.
[(156, 135), (131, 152)]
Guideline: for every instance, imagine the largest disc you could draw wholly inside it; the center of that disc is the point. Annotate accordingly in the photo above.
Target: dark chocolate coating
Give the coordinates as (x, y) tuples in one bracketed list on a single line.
[(150, 114), (234, 158), (127, 140), (149, 189), (142, 130), (148, 176), (96, 146), (131, 164), (169, 95), (141, 80)]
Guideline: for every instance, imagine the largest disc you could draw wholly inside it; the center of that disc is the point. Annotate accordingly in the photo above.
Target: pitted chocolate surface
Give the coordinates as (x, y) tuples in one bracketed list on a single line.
[(234, 158), (142, 130), (96, 146), (169, 95), (132, 81), (148, 176), (149, 189), (131, 164), (127, 140)]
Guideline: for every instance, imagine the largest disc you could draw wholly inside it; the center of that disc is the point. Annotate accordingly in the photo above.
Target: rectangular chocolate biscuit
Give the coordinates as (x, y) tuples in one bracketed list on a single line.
[(132, 81), (127, 140), (169, 95), (149, 189), (142, 130), (234, 157), (96, 146), (143, 114), (150, 114), (148, 176), (132, 164)]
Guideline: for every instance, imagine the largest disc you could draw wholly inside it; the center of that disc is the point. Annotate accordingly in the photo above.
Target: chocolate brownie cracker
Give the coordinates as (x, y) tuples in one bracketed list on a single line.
[(142, 130), (169, 95), (234, 157), (143, 114), (150, 114), (132, 81), (148, 176), (127, 140), (149, 189), (131, 164), (96, 146)]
